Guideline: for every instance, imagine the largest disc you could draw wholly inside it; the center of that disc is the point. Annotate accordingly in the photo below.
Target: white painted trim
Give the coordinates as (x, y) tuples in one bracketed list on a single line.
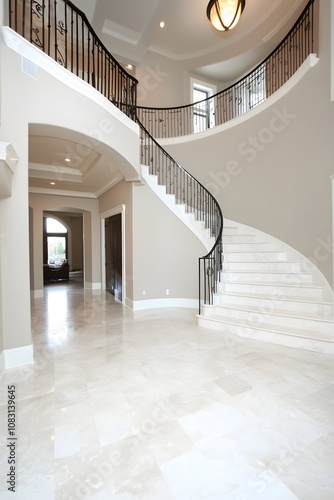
[(36, 294), (140, 305), (92, 286), (8, 161), (19, 356), (128, 303), (311, 61), (178, 209), (109, 185), (205, 86), (289, 14), (2, 364), (120, 209), (17, 43), (8, 155), (113, 211), (62, 192)]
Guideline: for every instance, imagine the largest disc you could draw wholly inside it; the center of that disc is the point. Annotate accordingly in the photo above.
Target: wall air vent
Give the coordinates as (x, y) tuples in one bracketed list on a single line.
[(29, 68)]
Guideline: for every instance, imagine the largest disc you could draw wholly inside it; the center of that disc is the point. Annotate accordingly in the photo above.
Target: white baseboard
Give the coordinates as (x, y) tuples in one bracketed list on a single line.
[(140, 305), (18, 356), (37, 294), (93, 286), (2, 363)]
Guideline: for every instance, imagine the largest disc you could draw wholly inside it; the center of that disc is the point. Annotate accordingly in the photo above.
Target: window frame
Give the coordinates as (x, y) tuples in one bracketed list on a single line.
[(210, 90), (47, 234)]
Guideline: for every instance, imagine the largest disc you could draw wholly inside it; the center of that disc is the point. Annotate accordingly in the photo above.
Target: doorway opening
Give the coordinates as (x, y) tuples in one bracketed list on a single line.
[(113, 255)]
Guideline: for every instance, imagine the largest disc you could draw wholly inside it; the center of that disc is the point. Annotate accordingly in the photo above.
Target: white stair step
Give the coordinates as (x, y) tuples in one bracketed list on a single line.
[(292, 337), (238, 238), (270, 256), (247, 247), (295, 304), (230, 230), (273, 277), (272, 289), (256, 317), (281, 267)]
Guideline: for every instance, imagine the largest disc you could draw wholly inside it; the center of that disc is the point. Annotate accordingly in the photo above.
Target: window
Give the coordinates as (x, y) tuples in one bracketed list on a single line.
[(203, 110), (55, 242), (251, 91)]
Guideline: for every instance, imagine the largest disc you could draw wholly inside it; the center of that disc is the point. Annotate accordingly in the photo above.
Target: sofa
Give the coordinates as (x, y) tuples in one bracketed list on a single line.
[(56, 273)]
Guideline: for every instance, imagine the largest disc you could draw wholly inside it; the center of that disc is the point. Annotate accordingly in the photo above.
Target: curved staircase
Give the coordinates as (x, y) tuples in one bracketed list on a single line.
[(270, 292), (265, 292)]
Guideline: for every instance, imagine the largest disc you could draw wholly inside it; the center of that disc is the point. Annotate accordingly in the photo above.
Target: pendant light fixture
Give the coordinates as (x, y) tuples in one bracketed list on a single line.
[(224, 14)]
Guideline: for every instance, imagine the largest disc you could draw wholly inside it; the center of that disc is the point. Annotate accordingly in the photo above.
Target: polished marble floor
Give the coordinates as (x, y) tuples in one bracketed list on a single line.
[(149, 406)]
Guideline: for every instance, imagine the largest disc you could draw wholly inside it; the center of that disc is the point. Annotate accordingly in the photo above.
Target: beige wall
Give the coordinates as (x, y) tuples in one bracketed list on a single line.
[(164, 82), (272, 171), (14, 241), (165, 252), (17, 112), (121, 194), (161, 253), (91, 234)]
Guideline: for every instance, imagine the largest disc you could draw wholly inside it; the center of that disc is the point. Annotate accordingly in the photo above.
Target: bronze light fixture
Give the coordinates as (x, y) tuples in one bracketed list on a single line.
[(224, 14)]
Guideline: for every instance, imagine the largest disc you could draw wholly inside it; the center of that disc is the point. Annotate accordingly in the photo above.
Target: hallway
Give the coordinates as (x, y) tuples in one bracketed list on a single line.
[(148, 405)]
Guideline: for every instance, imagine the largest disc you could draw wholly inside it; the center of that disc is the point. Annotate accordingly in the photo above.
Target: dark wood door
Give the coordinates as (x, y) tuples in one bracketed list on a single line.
[(113, 240)]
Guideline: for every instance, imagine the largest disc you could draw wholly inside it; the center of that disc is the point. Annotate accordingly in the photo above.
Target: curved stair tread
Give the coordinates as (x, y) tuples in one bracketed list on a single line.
[(322, 318), (266, 327)]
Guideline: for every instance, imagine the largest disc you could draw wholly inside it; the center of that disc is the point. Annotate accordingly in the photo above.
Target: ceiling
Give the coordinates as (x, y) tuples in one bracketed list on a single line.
[(130, 29)]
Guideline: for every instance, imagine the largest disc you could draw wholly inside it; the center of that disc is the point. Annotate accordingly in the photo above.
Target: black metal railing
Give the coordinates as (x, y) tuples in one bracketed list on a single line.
[(197, 200), (242, 96), (62, 31)]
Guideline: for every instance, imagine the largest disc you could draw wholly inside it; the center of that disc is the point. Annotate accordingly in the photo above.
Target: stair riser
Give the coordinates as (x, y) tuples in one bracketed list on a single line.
[(270, 304), (254, 256), (281, 267), (267, 336), (239, 238), (271, 290), (231, 231), (259, 318), (288, 279), (247, 247)]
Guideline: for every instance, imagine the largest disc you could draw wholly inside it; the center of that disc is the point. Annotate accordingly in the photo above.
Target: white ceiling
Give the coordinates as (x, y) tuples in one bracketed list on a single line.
[(130, 30)]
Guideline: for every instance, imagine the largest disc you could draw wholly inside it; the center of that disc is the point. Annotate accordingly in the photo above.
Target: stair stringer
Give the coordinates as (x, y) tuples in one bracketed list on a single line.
[(196, 226)]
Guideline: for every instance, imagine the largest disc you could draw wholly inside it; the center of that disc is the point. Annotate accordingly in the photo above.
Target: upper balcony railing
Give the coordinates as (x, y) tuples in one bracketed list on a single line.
[(242, 96), (63, 32)]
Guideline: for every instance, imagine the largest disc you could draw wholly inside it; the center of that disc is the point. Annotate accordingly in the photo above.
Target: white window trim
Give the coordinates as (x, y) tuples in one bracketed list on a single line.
[(200, 84)]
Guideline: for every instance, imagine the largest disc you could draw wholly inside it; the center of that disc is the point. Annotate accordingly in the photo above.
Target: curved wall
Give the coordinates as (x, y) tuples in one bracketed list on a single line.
[(272, 169), (53, 97)]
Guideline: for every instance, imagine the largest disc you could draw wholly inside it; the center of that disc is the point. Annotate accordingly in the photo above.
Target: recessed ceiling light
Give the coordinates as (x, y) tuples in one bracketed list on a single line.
[(162, 24), (67, 159), (52, 183)]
